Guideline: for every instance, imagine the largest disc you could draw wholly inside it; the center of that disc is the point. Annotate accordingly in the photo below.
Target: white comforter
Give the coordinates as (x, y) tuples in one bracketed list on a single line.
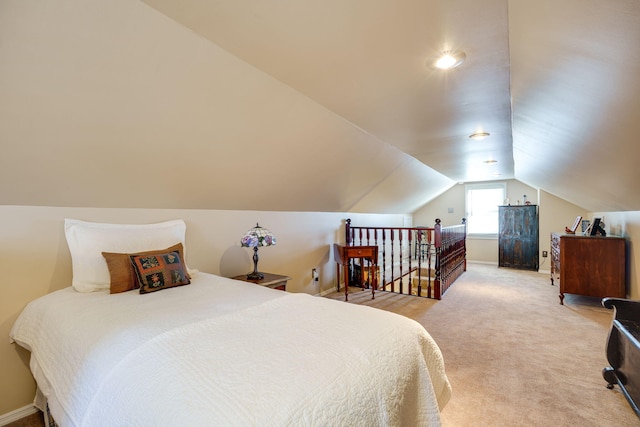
[(224, 352)]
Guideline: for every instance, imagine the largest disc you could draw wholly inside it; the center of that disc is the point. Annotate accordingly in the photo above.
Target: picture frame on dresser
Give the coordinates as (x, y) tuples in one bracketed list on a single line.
[(596, 228), (574, 227), (587, 231)]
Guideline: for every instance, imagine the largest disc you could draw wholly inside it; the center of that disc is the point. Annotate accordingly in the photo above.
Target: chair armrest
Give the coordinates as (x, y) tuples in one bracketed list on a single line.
[(625, 309)]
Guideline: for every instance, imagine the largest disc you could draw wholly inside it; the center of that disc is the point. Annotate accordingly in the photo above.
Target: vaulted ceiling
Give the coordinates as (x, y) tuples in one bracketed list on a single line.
[(353, 118), (555, 83)]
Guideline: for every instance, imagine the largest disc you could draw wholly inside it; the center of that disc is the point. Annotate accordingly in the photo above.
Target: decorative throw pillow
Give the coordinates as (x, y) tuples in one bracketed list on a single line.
[(161, 271), (123, 275), (87, 241)]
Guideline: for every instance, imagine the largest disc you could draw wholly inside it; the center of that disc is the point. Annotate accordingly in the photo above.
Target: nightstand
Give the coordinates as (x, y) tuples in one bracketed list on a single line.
[(273, 281)]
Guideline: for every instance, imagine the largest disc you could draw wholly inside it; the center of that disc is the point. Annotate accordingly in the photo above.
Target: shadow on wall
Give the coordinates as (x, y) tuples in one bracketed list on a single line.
[(63, 270), (234, 261)]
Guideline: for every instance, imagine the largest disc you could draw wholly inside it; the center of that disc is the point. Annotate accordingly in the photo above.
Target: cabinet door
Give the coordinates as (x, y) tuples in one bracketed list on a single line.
[(506, 240), (518, 237)]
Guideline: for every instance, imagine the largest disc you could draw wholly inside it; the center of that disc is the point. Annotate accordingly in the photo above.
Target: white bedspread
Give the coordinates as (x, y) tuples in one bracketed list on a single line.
[(223, 352)]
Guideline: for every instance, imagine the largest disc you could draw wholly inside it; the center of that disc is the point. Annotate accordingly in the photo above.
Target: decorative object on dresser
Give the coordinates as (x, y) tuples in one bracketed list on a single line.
[(273, 281), (588, 265), (597, 228), (518, 237), (574, 227), (254, 238), (623, 349)]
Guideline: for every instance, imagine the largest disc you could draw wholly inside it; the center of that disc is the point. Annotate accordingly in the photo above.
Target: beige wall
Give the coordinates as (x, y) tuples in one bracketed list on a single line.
[(439, 208), (554, 215), (34, 259)]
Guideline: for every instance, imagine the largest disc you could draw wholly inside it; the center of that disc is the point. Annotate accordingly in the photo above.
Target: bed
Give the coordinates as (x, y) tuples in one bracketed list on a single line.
[(217, 351)]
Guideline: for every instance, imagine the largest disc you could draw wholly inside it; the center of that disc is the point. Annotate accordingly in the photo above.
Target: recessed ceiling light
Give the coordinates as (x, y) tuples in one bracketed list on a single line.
[(479, 136), (448, 60)]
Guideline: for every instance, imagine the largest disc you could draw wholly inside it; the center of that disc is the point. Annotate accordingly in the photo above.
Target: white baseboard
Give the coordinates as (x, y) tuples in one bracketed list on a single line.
[(496, 264), (12, 416), (482, 262)]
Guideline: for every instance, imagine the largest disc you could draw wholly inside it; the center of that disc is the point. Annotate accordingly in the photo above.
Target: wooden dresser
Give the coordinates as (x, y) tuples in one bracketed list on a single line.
[(592, 266)]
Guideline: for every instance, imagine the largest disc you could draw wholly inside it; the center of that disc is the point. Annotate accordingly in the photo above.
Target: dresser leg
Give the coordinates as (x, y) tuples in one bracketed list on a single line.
[(561, 299)]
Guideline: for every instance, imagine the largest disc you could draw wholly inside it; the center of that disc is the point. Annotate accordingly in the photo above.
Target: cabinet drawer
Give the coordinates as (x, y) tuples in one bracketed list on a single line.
[(282, 286), (359, 252)]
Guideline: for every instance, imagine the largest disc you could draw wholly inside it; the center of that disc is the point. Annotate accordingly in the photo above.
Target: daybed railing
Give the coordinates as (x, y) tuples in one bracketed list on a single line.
[(419, 261)]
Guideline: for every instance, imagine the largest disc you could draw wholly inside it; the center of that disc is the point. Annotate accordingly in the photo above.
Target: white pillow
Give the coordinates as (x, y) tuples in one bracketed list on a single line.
[(87, 241)]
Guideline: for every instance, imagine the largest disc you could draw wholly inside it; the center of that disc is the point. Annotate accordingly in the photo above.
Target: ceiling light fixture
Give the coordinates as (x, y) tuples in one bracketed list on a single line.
[(479, 136), (448, 60), (490, 161)]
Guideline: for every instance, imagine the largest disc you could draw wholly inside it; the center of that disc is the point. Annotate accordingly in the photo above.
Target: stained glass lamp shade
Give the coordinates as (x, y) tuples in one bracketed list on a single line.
[(254, 238)]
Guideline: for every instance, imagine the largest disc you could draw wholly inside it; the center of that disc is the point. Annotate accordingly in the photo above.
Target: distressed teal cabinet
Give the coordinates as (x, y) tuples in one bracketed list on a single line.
[(518, 239)]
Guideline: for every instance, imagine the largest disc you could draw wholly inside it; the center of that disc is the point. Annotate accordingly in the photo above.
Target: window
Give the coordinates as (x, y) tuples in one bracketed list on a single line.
[(482, 201)]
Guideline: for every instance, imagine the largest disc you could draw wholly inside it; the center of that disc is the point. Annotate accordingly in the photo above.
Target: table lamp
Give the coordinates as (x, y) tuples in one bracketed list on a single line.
[(254, 238)]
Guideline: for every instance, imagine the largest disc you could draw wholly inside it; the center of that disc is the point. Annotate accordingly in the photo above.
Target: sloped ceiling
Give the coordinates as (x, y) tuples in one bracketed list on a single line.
[(315, 106), (575, 69), (556, 83), (366, 60)]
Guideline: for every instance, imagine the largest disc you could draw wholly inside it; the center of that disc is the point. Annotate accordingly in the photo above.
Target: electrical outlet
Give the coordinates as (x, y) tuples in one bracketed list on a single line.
[(314, 274), (545, 254)]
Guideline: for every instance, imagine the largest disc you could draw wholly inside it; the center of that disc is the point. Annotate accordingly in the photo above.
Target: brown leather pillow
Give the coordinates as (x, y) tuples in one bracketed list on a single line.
[(123, 275)]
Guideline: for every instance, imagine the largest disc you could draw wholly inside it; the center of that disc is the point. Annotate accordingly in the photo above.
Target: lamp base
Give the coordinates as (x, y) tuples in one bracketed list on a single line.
[(255, 275)]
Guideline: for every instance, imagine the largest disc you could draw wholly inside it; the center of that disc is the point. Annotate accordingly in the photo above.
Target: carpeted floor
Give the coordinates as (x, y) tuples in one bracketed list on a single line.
[(33, 420), (513, 354)]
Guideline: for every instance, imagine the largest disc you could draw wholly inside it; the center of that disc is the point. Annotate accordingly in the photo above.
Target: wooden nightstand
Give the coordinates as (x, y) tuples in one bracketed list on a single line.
[(273, 281)]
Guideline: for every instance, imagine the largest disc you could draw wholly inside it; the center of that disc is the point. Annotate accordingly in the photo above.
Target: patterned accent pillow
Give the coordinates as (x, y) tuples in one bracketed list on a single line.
[(123, 275), (160, 271)]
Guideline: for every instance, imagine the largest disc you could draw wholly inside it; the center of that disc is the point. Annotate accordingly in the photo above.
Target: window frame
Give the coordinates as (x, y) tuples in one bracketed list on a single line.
[(501, 185)]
